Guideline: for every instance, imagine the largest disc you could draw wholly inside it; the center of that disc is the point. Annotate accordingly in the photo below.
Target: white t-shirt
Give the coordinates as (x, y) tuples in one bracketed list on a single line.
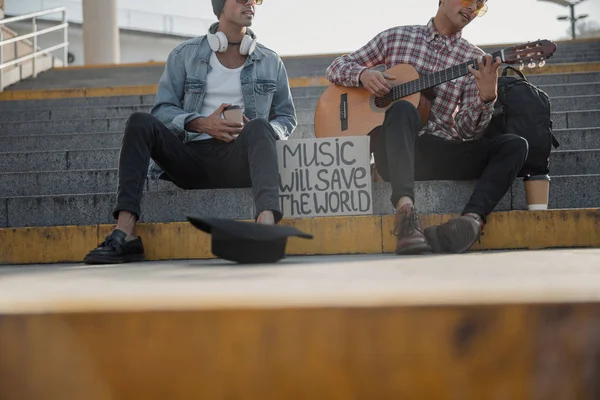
[(223, 85)]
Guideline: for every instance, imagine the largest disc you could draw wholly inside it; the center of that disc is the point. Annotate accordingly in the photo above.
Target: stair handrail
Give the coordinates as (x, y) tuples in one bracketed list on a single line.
[(35, 53)]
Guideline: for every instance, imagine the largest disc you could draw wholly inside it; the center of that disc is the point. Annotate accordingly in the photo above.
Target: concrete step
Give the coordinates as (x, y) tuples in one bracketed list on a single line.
[(106, 157), (581, 96), (572, 89), (561, 120), (86, 151), (125, 75), (574, 139), (58, 182), (571, 119), (577, 102), (316, 66), (563, 79), (547, 79), (25, 105), (69, 113), (585, 78), (85, 125), (175, 204), (65, 179), (573, 58), (575, 162), (576, 119), (554, 84), (567, 191), (59, 160), (70, 141)]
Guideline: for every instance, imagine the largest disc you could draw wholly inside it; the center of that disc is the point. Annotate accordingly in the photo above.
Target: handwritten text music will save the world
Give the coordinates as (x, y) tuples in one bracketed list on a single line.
[(323, 177)]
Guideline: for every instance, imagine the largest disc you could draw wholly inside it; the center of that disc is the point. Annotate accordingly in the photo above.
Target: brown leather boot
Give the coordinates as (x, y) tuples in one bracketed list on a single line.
[(457, 235), (409, 235)]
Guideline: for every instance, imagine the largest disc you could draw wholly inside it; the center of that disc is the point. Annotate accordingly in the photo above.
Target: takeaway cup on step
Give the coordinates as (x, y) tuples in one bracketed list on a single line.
[(537, 189)]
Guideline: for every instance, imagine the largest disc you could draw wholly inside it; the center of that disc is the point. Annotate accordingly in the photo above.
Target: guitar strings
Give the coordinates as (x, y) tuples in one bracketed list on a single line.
[(458, 69)]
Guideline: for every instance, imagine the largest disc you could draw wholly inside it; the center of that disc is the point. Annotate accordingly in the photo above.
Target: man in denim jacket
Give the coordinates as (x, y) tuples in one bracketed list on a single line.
[(186, 140)]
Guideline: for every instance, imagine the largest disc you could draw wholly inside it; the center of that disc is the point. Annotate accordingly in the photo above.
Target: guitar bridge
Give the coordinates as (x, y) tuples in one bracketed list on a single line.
[(344, 111)]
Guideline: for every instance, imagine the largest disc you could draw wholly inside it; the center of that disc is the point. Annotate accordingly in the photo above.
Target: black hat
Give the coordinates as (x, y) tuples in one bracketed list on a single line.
[(218, 6), (247, 242)]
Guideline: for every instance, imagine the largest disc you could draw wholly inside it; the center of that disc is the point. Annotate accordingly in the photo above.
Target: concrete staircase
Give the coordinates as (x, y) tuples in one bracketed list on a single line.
[(59, 160), (59, 157)]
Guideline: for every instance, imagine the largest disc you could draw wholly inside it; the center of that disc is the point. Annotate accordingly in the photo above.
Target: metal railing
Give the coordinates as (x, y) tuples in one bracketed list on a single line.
[(33, 35), (133, 19)]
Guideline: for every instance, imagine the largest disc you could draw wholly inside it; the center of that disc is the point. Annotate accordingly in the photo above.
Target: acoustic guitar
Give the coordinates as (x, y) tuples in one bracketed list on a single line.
[(349, 111)]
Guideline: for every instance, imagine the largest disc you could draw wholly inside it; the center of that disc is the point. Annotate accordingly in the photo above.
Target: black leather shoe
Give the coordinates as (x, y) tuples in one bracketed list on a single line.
[(115, 250)]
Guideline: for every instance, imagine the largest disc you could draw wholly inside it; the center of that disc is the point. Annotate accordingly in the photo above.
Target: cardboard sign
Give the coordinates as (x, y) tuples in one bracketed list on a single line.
[(324, 177)]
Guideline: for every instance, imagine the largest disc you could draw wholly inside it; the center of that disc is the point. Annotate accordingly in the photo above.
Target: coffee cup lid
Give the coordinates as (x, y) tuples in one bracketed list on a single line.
[(537, 178), (233, 107)]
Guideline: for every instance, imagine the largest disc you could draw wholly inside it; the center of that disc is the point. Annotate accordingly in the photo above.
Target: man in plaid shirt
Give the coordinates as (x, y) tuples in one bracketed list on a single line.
[(450, 144)]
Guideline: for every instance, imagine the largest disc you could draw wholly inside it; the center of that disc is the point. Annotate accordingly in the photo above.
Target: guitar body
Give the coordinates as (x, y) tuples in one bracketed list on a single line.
[(348, 111), (344, 111)]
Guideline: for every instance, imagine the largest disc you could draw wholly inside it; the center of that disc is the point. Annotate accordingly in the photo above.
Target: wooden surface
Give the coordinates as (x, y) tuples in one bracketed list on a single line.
[(516, 352), (497, 325)]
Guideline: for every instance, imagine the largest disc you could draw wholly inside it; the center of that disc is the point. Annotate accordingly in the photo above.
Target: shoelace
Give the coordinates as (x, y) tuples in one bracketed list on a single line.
[(110, 242), (408, 225)]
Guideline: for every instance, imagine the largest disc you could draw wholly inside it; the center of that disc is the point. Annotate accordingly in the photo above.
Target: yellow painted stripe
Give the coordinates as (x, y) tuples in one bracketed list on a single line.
[(332, 235), (121, 91), (294, 83), (78, 93)]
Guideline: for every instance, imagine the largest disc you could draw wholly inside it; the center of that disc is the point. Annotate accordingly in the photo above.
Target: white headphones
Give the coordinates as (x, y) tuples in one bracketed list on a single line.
[(218, 41)]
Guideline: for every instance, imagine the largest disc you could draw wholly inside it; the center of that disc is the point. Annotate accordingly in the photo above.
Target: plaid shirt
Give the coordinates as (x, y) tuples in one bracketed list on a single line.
[(458, 111)]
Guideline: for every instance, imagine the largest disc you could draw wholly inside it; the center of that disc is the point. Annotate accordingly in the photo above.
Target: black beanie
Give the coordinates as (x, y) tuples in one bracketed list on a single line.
[(218, 7)]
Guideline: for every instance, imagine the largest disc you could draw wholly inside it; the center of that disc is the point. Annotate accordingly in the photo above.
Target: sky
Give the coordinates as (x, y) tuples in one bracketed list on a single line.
[(336, 26)]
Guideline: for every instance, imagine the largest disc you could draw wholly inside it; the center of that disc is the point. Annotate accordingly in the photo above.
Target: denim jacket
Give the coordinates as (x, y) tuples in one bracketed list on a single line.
[(181, 90)]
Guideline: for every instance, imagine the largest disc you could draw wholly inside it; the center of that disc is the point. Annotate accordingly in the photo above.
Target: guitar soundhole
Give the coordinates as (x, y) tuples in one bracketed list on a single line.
[(382, 102)]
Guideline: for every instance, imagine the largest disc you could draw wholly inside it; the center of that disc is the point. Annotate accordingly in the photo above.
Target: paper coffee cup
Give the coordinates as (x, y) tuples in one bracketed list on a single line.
[(537, 190), (233, 113)]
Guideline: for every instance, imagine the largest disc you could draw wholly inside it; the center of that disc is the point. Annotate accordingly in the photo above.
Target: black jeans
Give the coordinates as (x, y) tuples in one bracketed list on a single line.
[(248, 161), (401, 157)]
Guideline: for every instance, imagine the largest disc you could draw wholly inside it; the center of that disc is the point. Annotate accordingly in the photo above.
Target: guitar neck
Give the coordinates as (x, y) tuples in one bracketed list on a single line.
[(437, 78)]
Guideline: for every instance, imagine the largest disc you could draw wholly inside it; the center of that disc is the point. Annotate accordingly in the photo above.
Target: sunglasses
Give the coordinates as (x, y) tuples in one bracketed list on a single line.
[(480, 6), (257, 2)]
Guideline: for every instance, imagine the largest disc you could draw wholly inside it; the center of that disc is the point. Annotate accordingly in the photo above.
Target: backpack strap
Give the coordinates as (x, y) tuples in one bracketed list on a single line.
[(505, 71), (499, 110)]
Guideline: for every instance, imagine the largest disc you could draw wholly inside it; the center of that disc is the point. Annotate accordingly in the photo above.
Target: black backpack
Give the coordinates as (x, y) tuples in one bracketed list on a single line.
[(524, 110)]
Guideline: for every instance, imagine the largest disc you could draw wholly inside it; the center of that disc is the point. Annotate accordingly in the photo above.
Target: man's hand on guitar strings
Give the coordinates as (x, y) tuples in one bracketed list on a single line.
[(376, 82), (486, 77)]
